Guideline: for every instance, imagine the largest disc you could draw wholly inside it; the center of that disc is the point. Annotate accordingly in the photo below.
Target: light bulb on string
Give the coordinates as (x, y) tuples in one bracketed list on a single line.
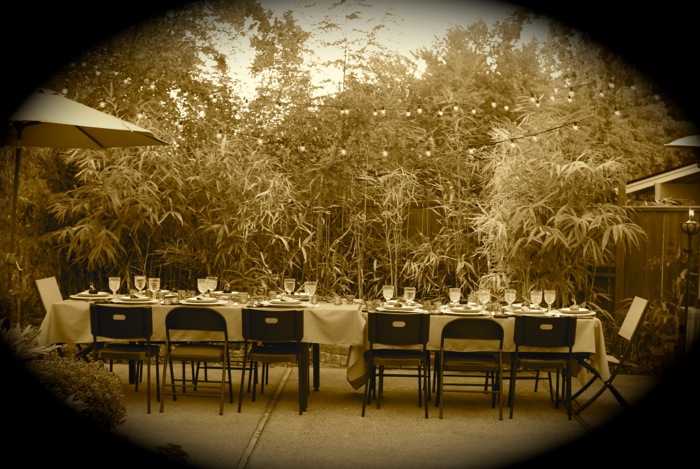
[(408, 113), (385, 153), (343, 152), (302, 148), (575, 126), (374, 113), (440, 113), (383, 111), (419, 110)]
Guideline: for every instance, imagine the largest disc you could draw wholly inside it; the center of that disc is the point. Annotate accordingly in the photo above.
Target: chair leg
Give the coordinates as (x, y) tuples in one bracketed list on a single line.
[(240, 389)]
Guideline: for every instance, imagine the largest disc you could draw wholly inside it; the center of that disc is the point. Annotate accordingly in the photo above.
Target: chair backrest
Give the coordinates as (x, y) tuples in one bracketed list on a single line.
[(545, 331), (472, 329), (194, 318), (266, 325), (634, 317), (398, 328), (49, 292), (120, 322)]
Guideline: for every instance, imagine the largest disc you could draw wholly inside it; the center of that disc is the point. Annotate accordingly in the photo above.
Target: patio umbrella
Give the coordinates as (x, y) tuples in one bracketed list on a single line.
[(689, 141), (48, 119)]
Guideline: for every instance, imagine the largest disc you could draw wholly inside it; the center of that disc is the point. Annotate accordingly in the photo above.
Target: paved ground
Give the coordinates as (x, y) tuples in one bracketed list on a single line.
[(269, 433), (332, 434)]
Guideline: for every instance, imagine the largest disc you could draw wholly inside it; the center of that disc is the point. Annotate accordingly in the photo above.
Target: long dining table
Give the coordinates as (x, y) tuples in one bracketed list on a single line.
[(68, 321)]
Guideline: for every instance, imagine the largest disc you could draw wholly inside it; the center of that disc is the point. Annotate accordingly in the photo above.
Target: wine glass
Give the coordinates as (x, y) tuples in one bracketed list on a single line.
[(202, 285), (114, 284), (549, 297), (509, 296), (289, 285), (387, 292), (213, 282), (455, 295), (139, 283), (536, 297), (154, 285), (410, 294), (483, 296), (310, 288)]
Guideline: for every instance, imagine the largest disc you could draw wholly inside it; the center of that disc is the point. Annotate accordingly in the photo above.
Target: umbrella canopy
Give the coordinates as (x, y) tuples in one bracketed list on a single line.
[(48, 119), (689, 141)]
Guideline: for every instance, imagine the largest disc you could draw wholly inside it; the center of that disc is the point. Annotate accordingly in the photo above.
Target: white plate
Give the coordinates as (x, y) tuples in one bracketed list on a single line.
[(284, 304), (578, 314), (135, 301), (194, 302), (399, 309), (450, 312), (86, 295), (278, 302), (578, 311), (464, 309)]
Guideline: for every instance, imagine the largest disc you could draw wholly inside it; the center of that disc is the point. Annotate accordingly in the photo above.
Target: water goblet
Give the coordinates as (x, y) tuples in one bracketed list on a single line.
[(139, 283), (114, 284), (213, 282), (549, 297), (455, 296), (536, 297), (202, 285), (410, 294), (509, 296), (154, 285), (387, 292), (310, 288), (289, 285), (483, 296)]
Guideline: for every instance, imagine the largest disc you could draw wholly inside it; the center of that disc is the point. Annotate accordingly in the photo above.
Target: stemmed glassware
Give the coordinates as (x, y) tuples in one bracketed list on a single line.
[(509, 296), (536, 297), (154, 285), (483, 296), (213, 282), (202, 285), (410, 294), (114, 284), (455, 296), (549, 297), (388, 292), (139, 283), (289, 285), (310, 288)]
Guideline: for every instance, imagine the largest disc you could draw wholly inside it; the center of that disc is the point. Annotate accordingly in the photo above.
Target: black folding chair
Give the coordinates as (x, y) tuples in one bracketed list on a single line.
[(484, 362), (274, 336), (212, 349), (544, 332), (133, 324), (402, 339)]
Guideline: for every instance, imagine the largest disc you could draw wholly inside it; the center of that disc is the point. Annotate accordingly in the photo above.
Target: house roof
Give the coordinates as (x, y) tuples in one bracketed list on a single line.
[(687, 174)]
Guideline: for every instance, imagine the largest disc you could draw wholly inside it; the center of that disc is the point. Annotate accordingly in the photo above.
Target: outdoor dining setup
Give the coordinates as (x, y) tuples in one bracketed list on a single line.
[(334, 322)]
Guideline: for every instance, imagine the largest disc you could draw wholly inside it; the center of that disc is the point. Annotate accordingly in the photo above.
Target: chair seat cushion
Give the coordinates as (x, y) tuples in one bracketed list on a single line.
[(280, 352), (197, 352)]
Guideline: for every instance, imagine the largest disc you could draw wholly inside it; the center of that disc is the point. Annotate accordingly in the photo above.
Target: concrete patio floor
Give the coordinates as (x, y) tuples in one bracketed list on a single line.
[(269, 433)]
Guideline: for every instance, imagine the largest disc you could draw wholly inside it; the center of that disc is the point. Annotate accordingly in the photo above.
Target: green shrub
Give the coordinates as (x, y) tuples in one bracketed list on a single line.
[(87, 387)]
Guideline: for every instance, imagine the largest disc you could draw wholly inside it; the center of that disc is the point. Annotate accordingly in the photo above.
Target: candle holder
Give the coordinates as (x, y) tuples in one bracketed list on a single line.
[(689, 228)]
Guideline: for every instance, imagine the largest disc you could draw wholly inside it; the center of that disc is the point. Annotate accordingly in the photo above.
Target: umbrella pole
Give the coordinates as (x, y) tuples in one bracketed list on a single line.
[(11, 258)]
